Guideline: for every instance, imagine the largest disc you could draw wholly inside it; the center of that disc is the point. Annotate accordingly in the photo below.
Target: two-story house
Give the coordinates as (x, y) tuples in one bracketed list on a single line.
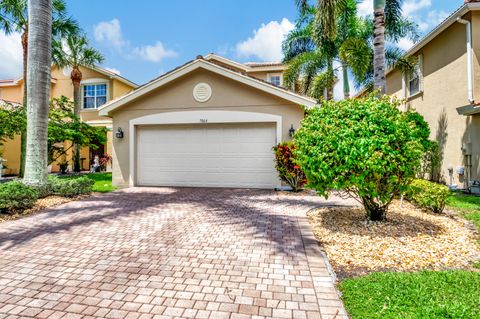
[(98, 87), (445, 89)]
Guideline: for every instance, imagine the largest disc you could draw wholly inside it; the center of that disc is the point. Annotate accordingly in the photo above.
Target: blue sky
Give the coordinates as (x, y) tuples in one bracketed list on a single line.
[(142, 39)]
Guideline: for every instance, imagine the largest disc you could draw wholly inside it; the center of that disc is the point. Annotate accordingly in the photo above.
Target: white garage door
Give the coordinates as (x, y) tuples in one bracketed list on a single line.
[(207, 155)]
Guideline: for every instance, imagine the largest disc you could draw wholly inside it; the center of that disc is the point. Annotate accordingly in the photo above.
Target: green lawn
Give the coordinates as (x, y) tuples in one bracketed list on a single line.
[(468, 205), (103, 181), (447, 294)]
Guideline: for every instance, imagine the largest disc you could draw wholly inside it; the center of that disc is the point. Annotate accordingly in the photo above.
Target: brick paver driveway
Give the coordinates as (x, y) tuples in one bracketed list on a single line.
[(168, 253)]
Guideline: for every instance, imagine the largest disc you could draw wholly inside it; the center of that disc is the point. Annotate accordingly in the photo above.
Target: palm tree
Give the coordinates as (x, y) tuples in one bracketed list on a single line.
[(335, 26), (14, 18), (379, 67), (75, 52), (38, 89)]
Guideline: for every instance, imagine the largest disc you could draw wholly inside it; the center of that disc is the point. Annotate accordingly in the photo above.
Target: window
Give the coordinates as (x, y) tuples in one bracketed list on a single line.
[(94, 95), (415, 79), (414, 82), (275, 79)]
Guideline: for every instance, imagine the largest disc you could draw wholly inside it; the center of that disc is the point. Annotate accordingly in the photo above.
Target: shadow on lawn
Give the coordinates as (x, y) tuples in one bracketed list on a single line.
[(258, 213)]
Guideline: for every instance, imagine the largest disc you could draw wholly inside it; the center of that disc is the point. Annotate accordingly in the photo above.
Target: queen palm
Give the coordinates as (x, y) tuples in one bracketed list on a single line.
[(353, 37), (14, 18), (74, 52), (38, 90)]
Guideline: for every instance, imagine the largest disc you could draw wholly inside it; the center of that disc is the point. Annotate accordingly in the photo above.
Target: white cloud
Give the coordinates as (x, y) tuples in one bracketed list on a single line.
[(113, 70), (11, 55), (109, 33), (266, 43), (365, 8), (154, 53), (412, 6), (405, 44)]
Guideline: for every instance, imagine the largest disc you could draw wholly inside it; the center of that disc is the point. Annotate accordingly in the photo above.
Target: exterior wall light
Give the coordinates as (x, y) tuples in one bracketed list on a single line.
[(119, 133), (291, 131)]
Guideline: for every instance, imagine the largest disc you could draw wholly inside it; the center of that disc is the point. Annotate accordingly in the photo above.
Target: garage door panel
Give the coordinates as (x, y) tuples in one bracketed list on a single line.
[(213, 155)]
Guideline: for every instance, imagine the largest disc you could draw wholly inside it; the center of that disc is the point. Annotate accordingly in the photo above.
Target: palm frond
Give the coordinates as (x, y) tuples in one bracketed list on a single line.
[(322, 82), (298, 41), (358, 56), (65, 26)]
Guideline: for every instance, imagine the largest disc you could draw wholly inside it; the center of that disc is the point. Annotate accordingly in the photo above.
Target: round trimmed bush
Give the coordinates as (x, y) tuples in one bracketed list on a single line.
[(366, 147), (16, 196)]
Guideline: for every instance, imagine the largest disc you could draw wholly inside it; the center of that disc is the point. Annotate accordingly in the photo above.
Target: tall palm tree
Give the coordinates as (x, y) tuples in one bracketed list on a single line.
[(73, 53), (379, 67), (336, 22), (14, 18), (38, 89)]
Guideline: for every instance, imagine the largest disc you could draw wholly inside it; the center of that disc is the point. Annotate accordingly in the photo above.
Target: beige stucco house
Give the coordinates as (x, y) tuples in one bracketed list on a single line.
[(445, 89), (210, 122), (99, 86)]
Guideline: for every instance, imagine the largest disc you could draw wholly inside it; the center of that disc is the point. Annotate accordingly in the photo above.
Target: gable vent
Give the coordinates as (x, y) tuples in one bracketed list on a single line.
[(202, 92)]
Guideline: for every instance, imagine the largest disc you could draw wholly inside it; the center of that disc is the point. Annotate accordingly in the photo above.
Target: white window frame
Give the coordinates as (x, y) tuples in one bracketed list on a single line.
[(408, 78), (94, 82), (270, 75)]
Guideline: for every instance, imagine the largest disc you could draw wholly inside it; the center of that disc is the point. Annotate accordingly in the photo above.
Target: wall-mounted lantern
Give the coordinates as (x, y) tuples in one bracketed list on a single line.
[(291, 131), (119, 133)]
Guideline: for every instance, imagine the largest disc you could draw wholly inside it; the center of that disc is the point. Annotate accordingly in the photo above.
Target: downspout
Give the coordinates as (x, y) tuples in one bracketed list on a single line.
[(468, 25)]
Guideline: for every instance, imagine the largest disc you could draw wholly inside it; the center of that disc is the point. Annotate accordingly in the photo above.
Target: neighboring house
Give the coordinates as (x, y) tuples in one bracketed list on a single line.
[(210, 122), (99, 86), (445, 89)]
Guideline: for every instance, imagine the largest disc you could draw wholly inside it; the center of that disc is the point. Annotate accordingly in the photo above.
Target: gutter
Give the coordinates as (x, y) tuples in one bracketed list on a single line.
[(468, 26)]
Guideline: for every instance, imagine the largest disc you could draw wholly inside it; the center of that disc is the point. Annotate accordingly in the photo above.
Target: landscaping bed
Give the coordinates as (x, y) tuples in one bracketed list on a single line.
[(18, 200), (410, 240), (41, 204)]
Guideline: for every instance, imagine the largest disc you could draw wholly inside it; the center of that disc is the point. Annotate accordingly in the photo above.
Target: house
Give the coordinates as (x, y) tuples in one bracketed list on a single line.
[(99, 86), (445, 89), (211, 122)]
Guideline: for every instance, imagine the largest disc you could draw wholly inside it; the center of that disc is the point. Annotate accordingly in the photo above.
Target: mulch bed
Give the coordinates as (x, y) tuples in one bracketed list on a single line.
[(410, 240), (42, 203)]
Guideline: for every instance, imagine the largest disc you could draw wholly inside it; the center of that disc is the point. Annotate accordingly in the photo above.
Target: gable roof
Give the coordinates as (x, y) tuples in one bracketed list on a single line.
[(249, 66), (201, 63), (450, 20), (96, 68)]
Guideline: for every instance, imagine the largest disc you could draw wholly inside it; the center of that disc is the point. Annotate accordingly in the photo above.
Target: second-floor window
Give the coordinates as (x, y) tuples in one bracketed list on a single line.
[(94, 95), (414, 82), (275, 79)]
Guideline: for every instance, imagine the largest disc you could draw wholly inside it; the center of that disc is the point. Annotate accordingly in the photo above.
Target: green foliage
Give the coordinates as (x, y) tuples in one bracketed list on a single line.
[(70, 187), (12, 120), (366, 147), (433, 295), (431, 166), (428, 195), (63, 125), (288, 170), (16, 196)]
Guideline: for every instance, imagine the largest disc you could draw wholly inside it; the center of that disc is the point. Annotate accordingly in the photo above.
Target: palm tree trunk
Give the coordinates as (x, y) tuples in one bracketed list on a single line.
[(76, 77), (330, 88), (380, 82), (346, 83), (38, 90), (23, 134)]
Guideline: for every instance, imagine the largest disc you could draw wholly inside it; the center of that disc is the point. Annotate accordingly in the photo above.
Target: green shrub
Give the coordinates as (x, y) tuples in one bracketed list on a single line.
[(16, 196), (365, 147), (428, 195), (288, 170), (70, 187)]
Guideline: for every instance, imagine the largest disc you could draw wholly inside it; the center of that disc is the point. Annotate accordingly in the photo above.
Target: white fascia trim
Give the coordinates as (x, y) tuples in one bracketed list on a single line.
[(112, 75), (213, 56), (195, 117), (95, 81), (265, 87)]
